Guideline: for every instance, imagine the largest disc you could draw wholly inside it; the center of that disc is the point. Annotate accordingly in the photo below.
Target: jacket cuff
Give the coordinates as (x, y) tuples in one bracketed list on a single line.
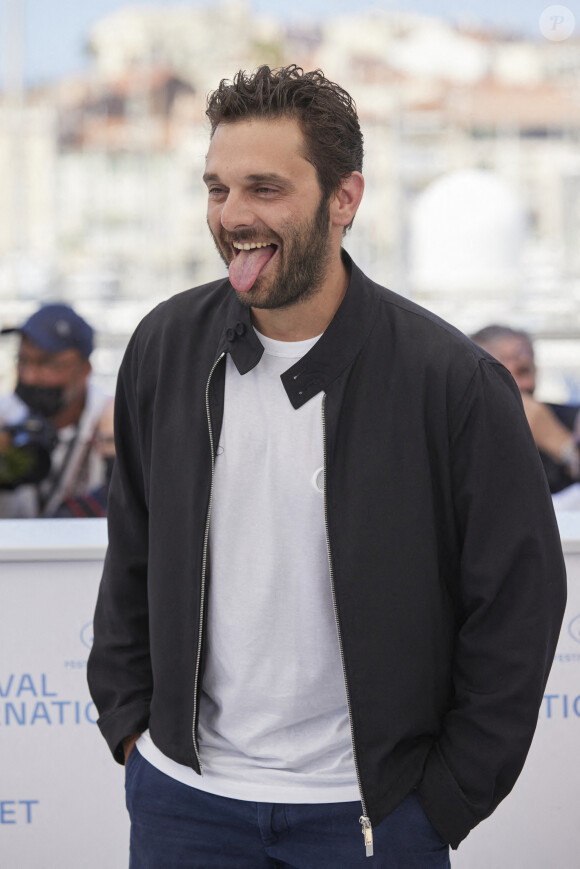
[(115, 726), (444, 802)]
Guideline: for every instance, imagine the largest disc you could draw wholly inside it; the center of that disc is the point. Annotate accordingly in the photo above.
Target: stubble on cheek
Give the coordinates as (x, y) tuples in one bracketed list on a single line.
[(225, 253)]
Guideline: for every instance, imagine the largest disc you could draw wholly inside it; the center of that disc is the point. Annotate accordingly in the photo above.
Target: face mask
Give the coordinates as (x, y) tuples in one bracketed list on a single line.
[(46, 401)]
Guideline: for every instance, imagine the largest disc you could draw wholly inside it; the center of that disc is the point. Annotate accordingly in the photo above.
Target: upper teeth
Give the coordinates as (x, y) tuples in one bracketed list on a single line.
[(248, 246)]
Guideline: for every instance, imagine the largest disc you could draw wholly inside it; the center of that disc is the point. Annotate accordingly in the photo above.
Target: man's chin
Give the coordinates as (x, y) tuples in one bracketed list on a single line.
[(255, 298), (259, 294), (268, 301), (244, 298)]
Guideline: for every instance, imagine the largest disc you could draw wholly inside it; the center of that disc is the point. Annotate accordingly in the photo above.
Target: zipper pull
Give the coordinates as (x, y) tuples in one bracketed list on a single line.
[(367, 831)]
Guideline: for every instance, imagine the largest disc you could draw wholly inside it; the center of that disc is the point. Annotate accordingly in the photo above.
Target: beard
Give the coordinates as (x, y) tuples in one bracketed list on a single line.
[(303, 254)]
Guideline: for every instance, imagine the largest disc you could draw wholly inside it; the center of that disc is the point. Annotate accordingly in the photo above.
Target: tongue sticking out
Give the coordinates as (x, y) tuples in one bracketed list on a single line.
[(247, 265)]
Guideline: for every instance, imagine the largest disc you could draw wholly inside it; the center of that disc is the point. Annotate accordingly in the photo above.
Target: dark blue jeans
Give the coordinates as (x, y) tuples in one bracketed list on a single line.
[(174, 826)]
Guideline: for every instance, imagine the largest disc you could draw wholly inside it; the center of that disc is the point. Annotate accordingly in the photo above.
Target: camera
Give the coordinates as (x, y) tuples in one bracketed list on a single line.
[(25, 450)]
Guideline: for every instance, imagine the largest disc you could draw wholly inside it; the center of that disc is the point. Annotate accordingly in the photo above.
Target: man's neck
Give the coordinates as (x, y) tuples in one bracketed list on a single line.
[(305, 319)]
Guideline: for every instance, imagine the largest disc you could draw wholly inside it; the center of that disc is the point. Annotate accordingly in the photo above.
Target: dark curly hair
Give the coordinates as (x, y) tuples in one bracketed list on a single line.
[(325, 111)]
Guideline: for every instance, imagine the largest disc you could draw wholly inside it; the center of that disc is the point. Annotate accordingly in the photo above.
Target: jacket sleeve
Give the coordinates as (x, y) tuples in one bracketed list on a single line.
[(509, 602), (119, 668)]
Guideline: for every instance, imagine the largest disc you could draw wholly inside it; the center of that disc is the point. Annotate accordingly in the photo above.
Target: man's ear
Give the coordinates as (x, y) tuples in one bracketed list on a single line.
[(345, 202)]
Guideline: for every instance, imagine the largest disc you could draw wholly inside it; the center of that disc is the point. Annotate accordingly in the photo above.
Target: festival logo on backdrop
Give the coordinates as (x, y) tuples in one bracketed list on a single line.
[(87, 635), (574, 629)]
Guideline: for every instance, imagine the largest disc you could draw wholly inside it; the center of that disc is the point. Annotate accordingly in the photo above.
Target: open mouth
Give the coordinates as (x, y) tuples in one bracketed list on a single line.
[(250, 258), (251, 245)]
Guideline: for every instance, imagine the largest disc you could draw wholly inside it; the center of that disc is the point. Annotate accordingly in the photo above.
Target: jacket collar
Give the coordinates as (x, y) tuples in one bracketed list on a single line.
[(335, 351)]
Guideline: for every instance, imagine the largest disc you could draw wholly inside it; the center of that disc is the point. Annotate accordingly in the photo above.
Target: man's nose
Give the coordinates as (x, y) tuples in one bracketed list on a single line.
[(236, 212)]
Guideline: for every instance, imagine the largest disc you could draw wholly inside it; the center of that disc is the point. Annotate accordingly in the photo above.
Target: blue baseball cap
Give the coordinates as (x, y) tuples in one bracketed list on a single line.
[(55, 328)]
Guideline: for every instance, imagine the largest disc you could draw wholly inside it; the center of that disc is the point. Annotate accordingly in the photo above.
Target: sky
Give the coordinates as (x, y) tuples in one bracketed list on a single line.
[(55, 30)]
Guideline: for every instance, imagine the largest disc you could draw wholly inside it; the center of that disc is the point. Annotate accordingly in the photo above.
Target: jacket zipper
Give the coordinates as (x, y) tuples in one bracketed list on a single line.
[(204, 563), (364, 820)]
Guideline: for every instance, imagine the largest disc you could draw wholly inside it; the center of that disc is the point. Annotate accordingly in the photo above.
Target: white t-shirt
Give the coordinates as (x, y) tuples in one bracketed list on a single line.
[(273, 722)]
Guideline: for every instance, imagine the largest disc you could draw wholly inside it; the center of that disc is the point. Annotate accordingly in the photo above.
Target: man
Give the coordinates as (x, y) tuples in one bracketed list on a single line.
[(330, 601), (514, 349), (555, 428), (54, 391)]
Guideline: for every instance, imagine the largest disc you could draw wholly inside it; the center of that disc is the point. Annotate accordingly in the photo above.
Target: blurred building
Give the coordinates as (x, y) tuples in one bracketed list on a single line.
[(101, 175)]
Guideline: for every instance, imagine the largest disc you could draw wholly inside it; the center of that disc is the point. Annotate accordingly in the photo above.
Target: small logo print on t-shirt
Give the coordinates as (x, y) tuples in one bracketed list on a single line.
[(318, 480)]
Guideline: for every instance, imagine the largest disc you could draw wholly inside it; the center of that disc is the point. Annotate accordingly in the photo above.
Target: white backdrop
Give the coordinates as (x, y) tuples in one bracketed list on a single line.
[(61, 793), (538, 824)]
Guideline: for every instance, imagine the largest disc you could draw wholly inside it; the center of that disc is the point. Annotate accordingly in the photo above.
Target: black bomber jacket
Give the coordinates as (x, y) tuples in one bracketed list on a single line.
[(446, 562)]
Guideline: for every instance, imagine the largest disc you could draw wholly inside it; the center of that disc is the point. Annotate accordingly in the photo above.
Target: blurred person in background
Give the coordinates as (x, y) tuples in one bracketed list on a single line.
[(94, 503), (49, 423), (555, 427)]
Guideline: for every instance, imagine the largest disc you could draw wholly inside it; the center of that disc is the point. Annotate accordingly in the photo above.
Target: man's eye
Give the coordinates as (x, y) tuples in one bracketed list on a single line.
[(265, 190), (215, 191)]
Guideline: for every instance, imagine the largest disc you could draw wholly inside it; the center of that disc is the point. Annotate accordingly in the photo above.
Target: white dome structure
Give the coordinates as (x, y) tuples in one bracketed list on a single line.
[(466, 234)]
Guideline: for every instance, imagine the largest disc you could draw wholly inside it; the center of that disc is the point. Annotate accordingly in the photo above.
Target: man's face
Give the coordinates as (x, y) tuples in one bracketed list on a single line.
[(518, 357), (67, 370), (264, 194)]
